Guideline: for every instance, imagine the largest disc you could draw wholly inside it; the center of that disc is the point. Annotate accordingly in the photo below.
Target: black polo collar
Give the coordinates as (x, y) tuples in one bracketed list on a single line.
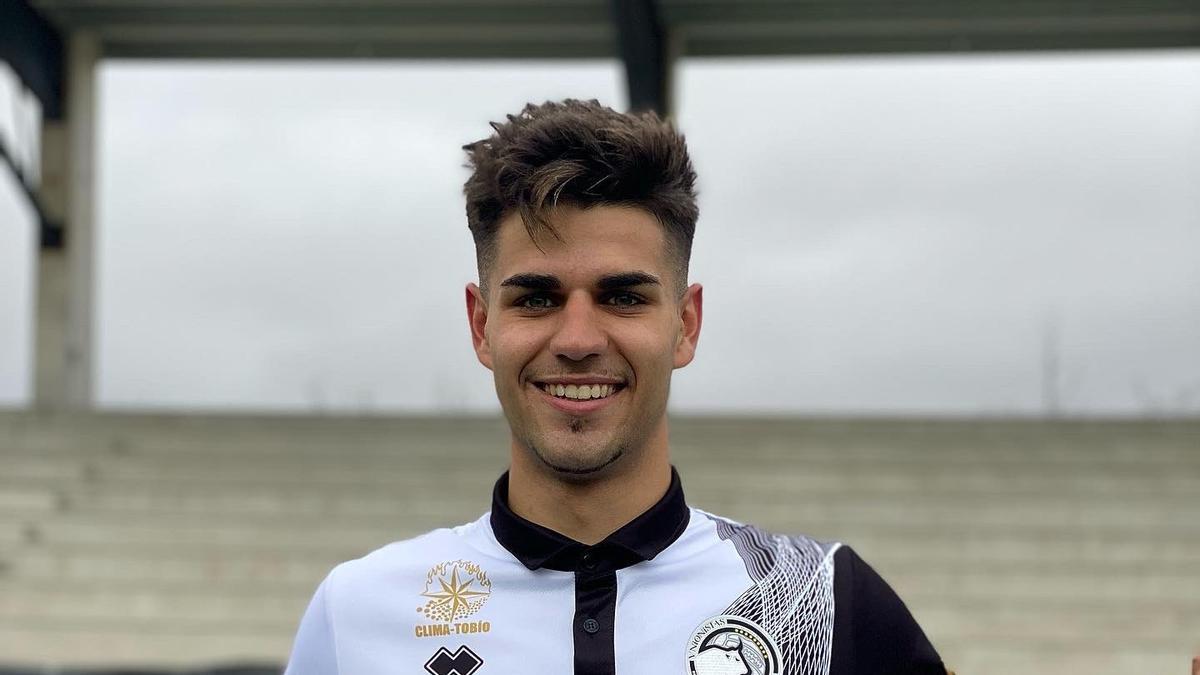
[(638, 540)]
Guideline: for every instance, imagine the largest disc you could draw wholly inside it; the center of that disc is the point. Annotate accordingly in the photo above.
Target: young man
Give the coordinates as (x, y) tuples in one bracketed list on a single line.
[(590, 560)]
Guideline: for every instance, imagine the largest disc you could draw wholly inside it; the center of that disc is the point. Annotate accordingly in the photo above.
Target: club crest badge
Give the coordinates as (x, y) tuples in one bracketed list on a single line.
[(732, 645)]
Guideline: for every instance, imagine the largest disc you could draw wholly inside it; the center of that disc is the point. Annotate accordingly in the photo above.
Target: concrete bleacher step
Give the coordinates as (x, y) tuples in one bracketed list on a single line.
[(109, 564), (92, 646), (805, 474), (28, 500), (1086, 589), (1136, 442), (122, 566), (1041, 623), (1097, 658), (437, 506), (99, 530), (461, 454), (943, 558), (940, 549)]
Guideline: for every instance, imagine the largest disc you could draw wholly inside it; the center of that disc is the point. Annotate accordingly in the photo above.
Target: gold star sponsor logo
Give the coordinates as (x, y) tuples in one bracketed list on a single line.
[(454, 590)]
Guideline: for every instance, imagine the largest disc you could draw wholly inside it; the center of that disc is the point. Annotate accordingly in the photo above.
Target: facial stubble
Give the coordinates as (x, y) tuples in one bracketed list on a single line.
[(577, 426)]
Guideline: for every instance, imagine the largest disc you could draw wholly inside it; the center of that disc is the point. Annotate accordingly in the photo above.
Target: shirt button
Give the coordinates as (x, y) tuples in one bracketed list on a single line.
[(589, 560), (591, 625)]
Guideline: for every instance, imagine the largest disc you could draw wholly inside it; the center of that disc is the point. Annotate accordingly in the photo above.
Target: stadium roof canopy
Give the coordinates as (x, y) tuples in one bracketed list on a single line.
[(586, 28), (645, 34)]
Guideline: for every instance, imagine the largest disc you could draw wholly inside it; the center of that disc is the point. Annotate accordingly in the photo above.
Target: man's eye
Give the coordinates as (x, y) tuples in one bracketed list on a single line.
[(625, 300), (535, 302)]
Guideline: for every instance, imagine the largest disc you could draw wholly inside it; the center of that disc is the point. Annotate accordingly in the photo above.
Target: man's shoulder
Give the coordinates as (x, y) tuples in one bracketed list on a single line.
[(415, 555), (871, 626), (768, 547)]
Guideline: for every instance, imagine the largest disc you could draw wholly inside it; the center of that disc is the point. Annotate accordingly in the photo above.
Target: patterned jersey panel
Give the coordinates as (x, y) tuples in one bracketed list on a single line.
[(792, 595)]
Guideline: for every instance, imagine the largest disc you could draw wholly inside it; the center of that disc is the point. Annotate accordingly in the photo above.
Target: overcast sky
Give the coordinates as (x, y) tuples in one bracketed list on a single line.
[(881, 235)]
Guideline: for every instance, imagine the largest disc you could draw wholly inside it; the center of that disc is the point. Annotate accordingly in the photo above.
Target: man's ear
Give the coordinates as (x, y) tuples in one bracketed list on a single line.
[(477, 317), (691, 312)]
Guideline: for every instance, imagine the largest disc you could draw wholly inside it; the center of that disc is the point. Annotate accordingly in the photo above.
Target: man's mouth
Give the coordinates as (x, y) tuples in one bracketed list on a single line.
[(579, 398), (580, 392)]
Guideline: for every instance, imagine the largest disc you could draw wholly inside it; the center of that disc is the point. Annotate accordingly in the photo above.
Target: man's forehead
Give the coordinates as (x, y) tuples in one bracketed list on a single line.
[(596, 223), (585, 244)]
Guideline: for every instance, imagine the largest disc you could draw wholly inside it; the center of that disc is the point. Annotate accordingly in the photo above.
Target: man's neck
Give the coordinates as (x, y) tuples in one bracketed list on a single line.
[(587, 512)]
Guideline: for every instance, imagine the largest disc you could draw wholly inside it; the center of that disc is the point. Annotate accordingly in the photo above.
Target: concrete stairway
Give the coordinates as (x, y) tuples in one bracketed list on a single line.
[(1021, 546)]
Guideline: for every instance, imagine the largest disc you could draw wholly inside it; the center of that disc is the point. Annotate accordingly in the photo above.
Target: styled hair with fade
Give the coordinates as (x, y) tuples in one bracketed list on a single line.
[(583, 154)]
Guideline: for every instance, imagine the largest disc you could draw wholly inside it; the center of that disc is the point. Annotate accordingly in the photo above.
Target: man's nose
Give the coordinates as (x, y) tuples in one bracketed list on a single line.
[(579, 333)]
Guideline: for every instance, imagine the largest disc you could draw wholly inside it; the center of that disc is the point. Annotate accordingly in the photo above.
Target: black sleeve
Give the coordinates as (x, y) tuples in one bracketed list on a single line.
[(873, 632)]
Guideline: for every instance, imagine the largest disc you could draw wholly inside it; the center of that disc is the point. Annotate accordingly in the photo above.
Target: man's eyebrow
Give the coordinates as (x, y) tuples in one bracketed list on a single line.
[(608, 282), (537, 282), (612, 282)]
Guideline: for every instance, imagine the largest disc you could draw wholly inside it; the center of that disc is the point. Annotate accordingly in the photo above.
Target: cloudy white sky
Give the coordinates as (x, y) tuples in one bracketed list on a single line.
[(877, 235)]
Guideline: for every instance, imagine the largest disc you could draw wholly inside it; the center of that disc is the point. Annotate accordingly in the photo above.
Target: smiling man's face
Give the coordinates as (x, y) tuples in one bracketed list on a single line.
[(595, 315)]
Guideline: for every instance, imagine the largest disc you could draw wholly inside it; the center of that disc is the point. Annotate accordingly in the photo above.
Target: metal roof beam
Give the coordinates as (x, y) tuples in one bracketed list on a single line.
[(468, 29), (934, 36), (34, 50), (764, 28), (584, 43), (325, 14), (643, 44), (50, 232)]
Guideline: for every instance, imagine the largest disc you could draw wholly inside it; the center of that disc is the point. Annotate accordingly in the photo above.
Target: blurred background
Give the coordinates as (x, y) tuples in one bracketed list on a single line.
[(951, 258)]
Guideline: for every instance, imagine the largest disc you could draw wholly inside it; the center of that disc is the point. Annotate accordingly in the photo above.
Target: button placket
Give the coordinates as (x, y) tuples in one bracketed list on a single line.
[(595, 615)]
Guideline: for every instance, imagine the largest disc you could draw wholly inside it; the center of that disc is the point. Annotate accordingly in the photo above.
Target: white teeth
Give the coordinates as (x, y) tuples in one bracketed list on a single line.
[(580, 392)]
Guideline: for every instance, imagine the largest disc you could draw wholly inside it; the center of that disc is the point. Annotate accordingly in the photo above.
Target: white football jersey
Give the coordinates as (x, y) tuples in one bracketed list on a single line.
[(676, 590)]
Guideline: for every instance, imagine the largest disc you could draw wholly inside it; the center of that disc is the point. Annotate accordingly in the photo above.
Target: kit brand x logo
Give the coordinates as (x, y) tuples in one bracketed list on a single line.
[(461, 662)]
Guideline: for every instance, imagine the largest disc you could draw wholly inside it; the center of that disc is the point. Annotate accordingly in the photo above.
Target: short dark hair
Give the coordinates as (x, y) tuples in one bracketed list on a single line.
[(584, 154)]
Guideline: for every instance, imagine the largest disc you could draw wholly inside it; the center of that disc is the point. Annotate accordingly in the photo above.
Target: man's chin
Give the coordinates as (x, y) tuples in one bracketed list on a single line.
[(578, 469)]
